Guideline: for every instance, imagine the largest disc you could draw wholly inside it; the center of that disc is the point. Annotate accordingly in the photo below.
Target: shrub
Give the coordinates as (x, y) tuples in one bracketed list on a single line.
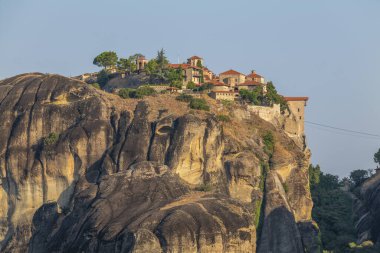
[(206, 86), (253, 96), (144, 91), (136, 93), (199, 104), (204, 188), (227, 103), (191, 85), (223, 118), (286, 187), (268, 140), (376, 157), (124, 93), (51, 139), (96, 85), (184, 98), (102, 78), (275, 98)]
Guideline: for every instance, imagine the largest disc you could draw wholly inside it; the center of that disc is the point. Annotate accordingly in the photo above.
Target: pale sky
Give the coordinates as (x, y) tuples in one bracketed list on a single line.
[(328, 50)]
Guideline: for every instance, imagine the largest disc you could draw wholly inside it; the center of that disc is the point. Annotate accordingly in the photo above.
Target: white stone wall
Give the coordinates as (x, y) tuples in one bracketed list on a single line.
[(265, 112)]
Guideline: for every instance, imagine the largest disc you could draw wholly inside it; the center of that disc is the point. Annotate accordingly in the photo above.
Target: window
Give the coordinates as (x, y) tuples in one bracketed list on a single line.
[(299, 109), (300, 117)]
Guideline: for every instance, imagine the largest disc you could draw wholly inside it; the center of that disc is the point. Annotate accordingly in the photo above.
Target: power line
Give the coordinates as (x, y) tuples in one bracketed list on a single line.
[(343, 129), (343, 133)]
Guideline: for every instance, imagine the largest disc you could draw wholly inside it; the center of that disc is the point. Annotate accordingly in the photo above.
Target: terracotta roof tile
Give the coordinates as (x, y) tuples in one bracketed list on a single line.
[(250, 83), (217, 83), (296, 98), (254, 75), (231, 72), (195, 58)]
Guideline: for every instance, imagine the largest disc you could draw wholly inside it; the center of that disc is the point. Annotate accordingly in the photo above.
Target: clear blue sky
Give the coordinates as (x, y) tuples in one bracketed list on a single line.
[(327, 50)]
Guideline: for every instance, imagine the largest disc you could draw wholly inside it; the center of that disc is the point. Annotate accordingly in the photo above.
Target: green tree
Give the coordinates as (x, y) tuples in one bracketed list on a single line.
[(127, 64), (253, 96), (102, 78), (151, 67), (272, 97), (199, 64), (175, 77), (162, 60), (376, 157), (332, 211), (106, 59), (314, 175), (358, 177)]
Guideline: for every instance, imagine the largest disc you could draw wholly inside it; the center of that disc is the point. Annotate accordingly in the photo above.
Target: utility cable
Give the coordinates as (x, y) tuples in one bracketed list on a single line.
[(343, 129)]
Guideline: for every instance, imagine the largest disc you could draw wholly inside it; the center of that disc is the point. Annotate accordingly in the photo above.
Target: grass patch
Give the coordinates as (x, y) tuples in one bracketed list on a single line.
[(199, 104), (96, 86), (184, 98), (204, 188), (223, 118), (269, 141), (51, 139)]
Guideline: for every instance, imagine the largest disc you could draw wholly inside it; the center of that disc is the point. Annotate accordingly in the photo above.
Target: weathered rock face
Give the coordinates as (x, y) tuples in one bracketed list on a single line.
[(367, 211), (85, 171)]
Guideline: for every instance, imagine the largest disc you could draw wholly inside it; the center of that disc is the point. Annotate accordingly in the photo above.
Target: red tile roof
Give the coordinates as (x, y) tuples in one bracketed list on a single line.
[(231, 72), (195, 58), (250, 83), (296, 98), (217, 83), (254, 75)]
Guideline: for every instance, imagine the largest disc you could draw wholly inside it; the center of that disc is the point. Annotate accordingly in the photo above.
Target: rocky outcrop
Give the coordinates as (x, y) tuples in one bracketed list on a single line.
[(367, 211), (86, 171)]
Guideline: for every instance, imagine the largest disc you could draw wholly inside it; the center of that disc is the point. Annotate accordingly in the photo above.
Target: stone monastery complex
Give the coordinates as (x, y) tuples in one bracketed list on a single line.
[(226, 87), (227, 84)]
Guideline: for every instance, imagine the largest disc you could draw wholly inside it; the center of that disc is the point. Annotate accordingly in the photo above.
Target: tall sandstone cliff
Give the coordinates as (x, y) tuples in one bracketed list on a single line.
[(143, 175)]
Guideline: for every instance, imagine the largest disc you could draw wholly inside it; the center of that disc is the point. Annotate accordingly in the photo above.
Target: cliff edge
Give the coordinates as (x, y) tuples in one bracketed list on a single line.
[(86, 171)]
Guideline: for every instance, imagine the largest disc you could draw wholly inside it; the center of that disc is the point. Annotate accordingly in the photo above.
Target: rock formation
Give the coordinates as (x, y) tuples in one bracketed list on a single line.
[(86, 171), (367, 211)]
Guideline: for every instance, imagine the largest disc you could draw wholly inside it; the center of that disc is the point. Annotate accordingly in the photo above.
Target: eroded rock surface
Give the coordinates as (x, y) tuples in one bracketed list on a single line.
[(86, 171), (367, 211)]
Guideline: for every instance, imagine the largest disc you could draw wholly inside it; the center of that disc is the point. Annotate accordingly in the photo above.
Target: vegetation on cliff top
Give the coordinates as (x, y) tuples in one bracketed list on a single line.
[(158, 68), (194, 103), (136, 93), (257, 96)]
